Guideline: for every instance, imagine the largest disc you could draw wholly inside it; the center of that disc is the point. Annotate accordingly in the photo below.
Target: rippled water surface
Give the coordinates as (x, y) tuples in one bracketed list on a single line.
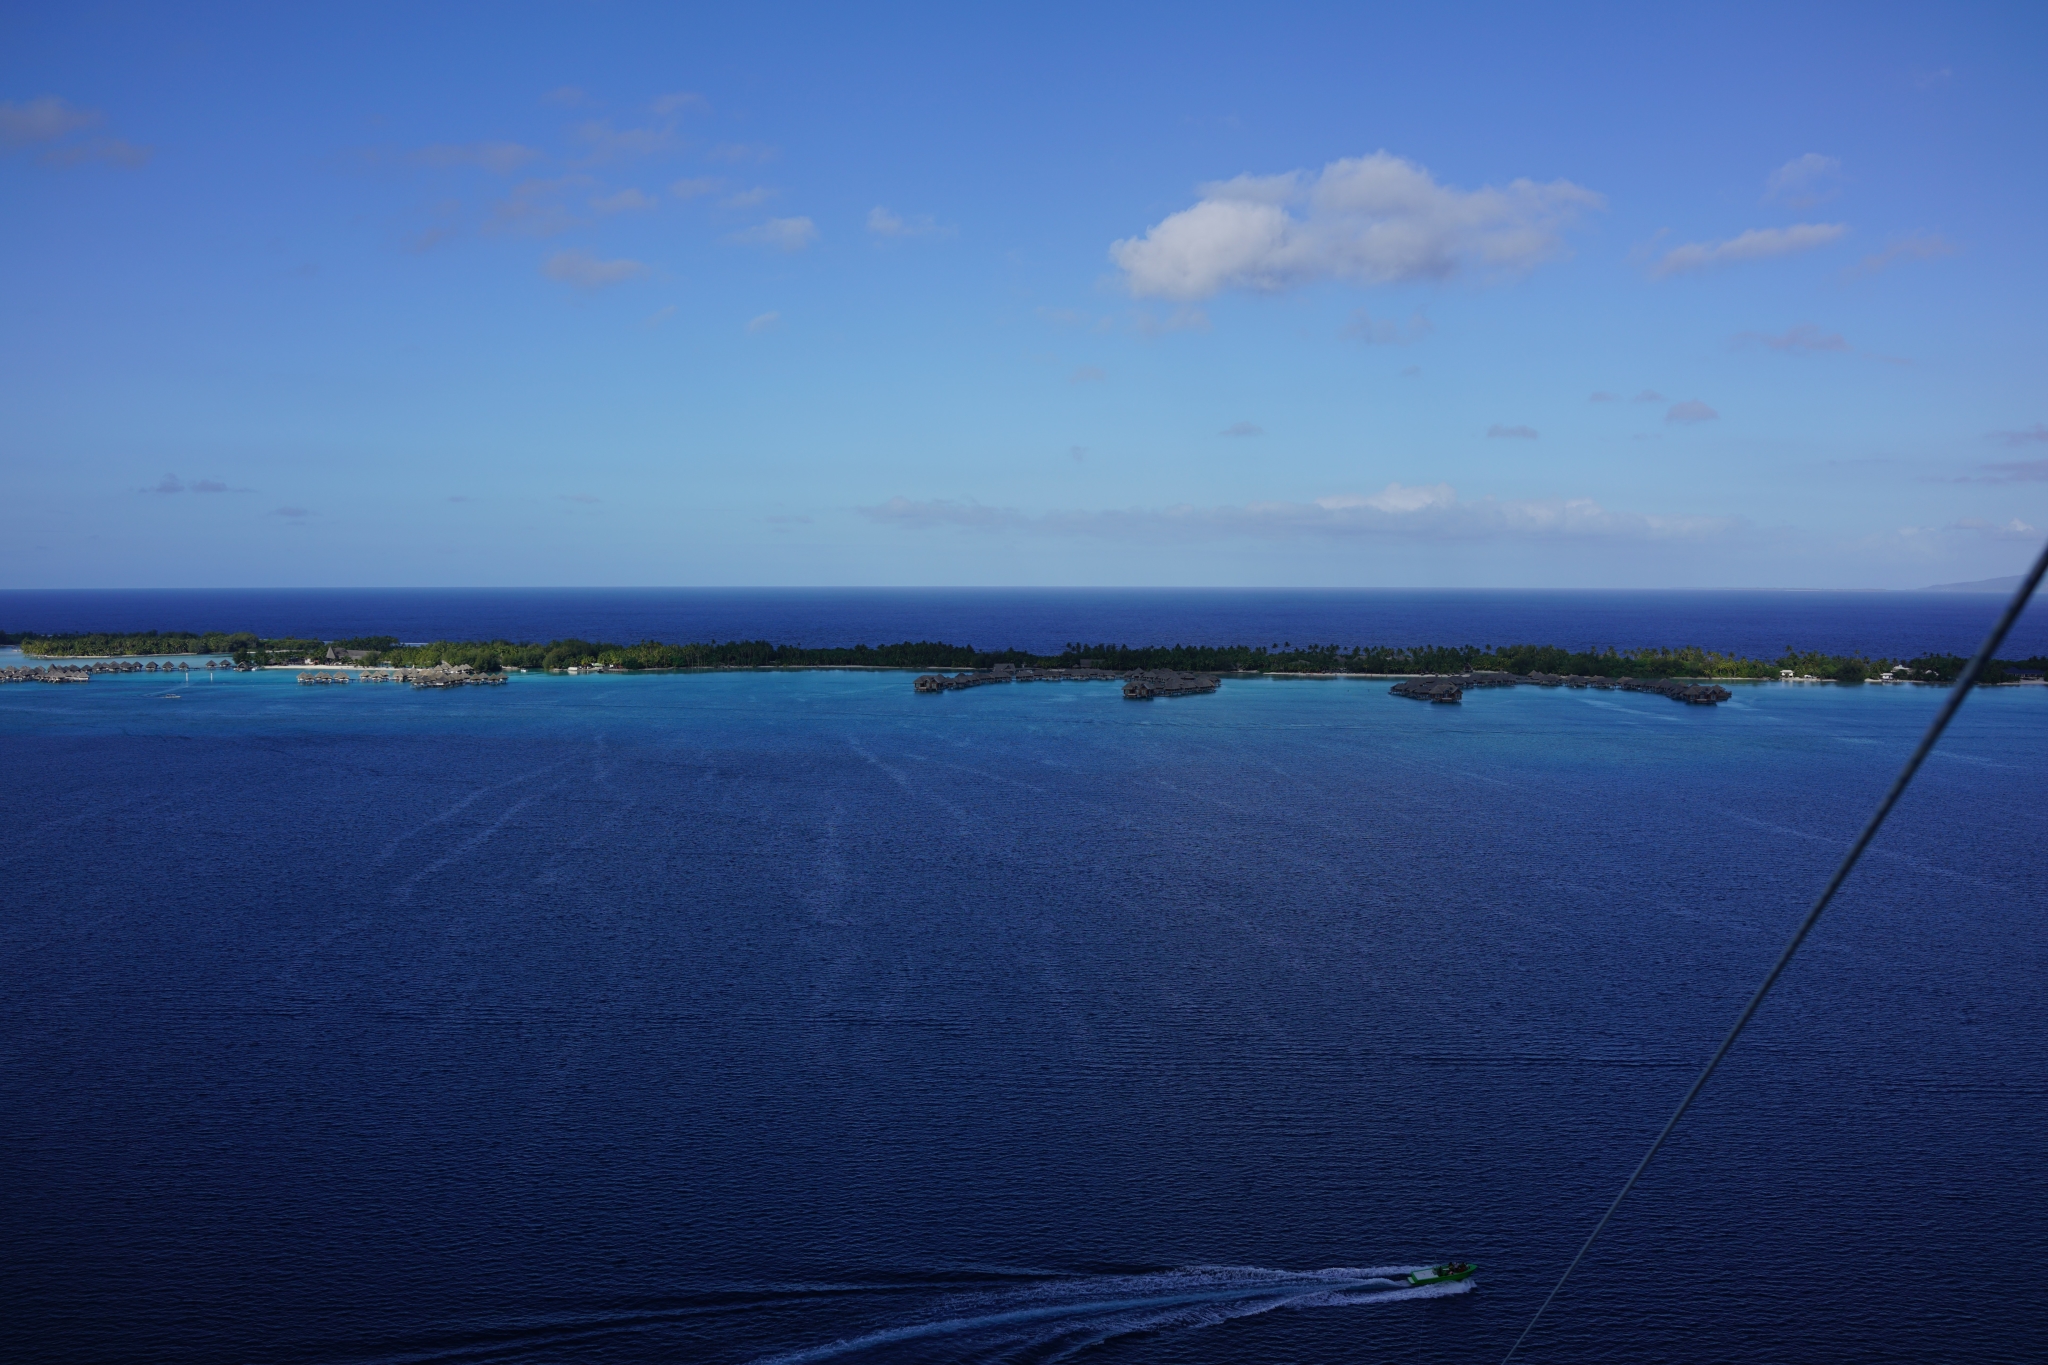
[(747, 1017)]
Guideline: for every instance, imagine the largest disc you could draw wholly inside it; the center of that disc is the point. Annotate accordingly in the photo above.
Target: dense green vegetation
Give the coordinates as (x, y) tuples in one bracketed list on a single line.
[(142, 642), (1281, 657)]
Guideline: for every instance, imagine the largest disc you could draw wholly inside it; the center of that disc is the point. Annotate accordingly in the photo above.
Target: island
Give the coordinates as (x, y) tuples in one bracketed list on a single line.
[(1430, 673)]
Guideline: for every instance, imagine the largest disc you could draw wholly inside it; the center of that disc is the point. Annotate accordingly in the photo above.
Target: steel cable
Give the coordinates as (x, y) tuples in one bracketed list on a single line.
[(1964, 682)]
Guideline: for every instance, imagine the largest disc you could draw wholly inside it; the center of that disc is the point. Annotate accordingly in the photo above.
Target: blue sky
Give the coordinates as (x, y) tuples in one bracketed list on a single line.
[(1433, 296)]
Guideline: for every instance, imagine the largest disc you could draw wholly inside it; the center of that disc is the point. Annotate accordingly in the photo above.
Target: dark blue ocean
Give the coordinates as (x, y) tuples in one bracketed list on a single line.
[(1755, 624), (743, 1017)]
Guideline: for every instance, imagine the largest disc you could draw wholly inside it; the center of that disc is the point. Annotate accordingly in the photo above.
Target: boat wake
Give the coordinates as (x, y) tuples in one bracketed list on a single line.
[(970, 1315), (1050, 1320)]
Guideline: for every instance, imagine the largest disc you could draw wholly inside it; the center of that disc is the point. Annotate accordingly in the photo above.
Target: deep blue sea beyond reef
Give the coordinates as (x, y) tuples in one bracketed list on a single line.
[(1896, 625), (742, 1016)]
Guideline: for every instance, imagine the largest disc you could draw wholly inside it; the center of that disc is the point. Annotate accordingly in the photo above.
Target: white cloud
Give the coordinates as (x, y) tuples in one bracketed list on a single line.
[(501, 158), (1802, 339), (1914, 246), (2033, 435), (784, 234), (625, 201), (1427, 512), (1395, 497), (587, 272), (2014, 529), (696, 187), (1691, 413), (883, 223), (677, 102), (1517, 433), (1648, 396), (563, 97), (1805, 180), (168, 484), (1757, 244), (44, 120), (748, 199), (766, 322), (1376, 219), (208, 486)]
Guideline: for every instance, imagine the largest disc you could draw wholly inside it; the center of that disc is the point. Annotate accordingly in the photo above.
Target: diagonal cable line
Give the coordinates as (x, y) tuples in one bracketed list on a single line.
[(1964, 682)]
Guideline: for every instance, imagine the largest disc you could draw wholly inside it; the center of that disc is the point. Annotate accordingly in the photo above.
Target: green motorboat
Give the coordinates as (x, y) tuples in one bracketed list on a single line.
[(1447, 1273)]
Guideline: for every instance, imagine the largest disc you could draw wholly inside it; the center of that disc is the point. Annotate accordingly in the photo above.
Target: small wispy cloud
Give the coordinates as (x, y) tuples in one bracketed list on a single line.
[(606, 143), (1648, 396), (2036, 434), (208, 486), (2014, 529), (1243, 429), (51, 123), (1497, 432), (2014, 471), (1371, 331), (696, 187), (1915, 246), (678, 102), (766, 322), (2010, 471), (625, 201), (883, 223), (564, 97), (1179, 320), (44, 120), (748, 199), (1805, 181), (589, 273), (534, 208), (169, 483), (111, 151), (742, 153), (1691, 413), (1757, 244), (1075, 317), (783, 234), (659, 316), (1087, 374), (500, 158), (1431, 512), (1801, 339)]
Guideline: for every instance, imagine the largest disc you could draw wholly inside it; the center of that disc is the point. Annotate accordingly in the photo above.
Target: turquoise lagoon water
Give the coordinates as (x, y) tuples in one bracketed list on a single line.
[(735, 1017)]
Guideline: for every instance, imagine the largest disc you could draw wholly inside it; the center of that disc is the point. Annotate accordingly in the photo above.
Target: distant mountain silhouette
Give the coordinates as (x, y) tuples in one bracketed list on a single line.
[(1981, 585)]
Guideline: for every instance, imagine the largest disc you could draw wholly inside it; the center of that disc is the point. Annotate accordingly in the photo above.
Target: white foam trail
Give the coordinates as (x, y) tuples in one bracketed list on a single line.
[(1094, 1309)]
